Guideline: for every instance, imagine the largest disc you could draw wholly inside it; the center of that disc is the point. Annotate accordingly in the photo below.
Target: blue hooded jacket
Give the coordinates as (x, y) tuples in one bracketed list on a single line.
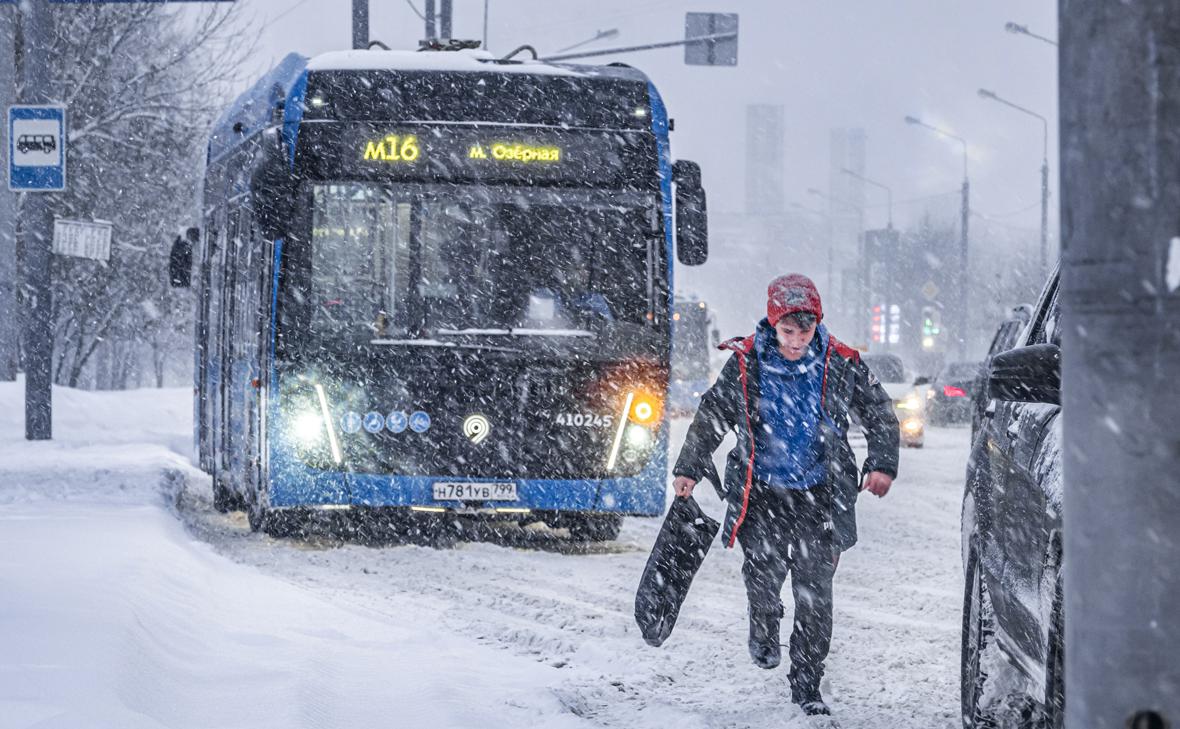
[(790, 452)]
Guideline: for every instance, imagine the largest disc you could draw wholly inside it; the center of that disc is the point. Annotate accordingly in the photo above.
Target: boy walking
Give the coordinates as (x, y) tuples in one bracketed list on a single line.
[(791, 482)]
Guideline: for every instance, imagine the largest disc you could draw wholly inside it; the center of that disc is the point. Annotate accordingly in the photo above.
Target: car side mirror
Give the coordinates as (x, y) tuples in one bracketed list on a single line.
[(1027, 374), (692, 219), (180, 259), (921, 380)]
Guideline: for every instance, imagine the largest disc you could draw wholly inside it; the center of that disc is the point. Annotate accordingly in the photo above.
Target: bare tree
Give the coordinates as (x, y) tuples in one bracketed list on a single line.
[(141, 83)]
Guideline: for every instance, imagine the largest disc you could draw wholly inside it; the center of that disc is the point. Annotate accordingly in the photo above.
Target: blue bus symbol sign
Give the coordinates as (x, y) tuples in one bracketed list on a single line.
[(36, 148)]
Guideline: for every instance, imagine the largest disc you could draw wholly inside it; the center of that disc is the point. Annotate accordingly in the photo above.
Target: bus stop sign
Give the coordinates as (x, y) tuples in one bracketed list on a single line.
[(36, 148)]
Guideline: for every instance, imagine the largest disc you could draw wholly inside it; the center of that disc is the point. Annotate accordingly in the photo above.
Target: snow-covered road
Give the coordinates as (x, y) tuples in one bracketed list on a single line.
[(125, 600)]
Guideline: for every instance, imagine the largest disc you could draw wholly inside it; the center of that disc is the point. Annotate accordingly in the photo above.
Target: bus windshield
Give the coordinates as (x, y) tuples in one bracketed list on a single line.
[(390, 262)]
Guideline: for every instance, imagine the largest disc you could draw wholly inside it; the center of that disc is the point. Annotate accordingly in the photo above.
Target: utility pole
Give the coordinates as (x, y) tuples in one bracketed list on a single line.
[(9, 332), (360, 24), (1120, 139), (1045, 213), (37, 234), (964, 279)]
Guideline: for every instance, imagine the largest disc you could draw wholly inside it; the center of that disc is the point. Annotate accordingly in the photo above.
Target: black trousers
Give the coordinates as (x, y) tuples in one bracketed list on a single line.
[(785, 532)]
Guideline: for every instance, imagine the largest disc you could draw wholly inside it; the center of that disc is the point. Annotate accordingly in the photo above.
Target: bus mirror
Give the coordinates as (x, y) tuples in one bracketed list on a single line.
[(273, 188), (180, 259), (692, 222)]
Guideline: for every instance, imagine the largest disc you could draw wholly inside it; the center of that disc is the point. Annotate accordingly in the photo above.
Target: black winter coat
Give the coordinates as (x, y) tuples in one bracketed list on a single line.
[(732, 404)]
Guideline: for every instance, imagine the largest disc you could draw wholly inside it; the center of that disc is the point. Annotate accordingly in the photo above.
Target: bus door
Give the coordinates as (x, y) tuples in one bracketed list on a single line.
[(244, 350), (213, 366)]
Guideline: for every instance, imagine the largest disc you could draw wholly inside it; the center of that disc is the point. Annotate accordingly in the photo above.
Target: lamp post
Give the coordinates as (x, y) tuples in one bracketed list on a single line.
[(868, 280), (1019, 29), (986, 94), (861, 304), (963, 240), (831, 246), (874, 183)]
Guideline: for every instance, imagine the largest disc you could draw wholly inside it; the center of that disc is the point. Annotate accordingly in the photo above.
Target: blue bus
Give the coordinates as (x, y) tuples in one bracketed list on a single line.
[(694, 339), (439, 281)]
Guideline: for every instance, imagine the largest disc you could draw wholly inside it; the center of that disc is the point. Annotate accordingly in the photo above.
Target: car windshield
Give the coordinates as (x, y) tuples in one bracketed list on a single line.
[(391, 261)]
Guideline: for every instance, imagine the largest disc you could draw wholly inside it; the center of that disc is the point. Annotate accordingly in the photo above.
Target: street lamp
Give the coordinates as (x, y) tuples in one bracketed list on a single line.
[(600, 35), (831, 244), (963, 247), (1019, 29), (986, 94), (874, 183), (862, 303)]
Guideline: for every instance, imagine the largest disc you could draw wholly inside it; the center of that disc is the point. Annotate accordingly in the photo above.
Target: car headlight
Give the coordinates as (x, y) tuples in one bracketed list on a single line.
[(910, 402)]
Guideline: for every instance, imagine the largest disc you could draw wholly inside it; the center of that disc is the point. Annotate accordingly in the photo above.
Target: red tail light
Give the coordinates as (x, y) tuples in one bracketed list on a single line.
[(952, 391)]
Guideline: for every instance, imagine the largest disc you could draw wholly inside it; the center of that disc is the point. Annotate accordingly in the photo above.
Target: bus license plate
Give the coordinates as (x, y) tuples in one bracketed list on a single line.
[(448, 491)]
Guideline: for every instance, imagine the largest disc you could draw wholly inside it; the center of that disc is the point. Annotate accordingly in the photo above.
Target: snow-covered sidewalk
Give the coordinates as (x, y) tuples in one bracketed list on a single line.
[(126, 601)]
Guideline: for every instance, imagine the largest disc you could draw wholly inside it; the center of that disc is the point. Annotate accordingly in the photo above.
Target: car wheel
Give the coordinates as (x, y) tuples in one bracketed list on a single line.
[(1055, 665), (978, 633), (595, 527)]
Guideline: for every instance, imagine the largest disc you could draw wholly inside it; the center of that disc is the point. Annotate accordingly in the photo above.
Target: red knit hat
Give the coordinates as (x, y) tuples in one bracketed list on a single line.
[(791, 294)]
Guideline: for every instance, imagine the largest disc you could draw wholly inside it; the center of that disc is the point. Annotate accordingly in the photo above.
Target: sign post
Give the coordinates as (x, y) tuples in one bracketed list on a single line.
[(37, 157)]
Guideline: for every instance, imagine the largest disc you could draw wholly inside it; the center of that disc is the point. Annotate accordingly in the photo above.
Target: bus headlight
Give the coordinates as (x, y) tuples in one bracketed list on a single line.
[(638, 437), (308, 429)]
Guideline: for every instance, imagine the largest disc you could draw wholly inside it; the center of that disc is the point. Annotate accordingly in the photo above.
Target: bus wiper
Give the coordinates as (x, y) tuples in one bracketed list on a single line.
[(518, 332), (447, 345)]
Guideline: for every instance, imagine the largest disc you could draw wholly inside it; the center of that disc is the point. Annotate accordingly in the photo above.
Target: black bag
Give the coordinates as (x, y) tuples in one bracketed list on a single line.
[(680, 548)]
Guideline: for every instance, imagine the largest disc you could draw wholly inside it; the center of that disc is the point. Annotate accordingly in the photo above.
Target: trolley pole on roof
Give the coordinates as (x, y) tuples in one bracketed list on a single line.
[(1120, 140), (445, 18), (429, 15), (360, 24)]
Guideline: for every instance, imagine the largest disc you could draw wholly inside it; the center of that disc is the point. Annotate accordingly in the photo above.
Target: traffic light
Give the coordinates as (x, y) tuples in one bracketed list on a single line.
[(930, 326)]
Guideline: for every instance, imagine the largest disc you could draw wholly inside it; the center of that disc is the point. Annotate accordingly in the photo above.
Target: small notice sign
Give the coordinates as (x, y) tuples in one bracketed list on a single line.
[(82, 239)]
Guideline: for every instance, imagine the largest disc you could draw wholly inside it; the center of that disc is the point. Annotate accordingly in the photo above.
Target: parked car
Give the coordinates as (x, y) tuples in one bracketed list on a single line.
[(1006, 336), (1013, 638), (954, 387), (909, 398)]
